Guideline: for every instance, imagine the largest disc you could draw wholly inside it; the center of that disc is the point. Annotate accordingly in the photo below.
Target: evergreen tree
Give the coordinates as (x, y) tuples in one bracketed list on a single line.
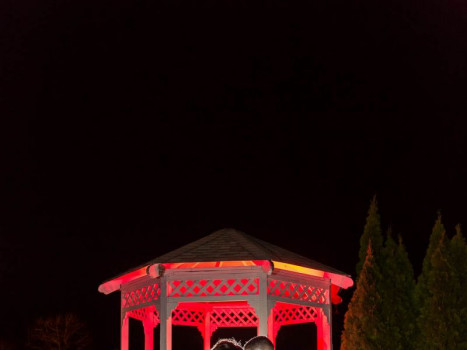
[(439, 317), (388, 290), (372, 231), (421, 290), (406, 288), (458, 252), (363, 318), (397, 291)]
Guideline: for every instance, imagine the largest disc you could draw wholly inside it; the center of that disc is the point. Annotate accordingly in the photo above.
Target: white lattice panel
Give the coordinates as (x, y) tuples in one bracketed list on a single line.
[(294, 315), (234, 317), (184, 317), (297, 291), (141, 295), (144, 314), (214, 287)]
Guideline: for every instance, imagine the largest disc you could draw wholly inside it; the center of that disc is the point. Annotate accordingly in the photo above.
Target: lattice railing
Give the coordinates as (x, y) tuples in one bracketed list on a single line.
[(298, 291), (144, 314), (234, 317), (186, 317), (141, 295), (214, 287), (294, 314), (229, 316)]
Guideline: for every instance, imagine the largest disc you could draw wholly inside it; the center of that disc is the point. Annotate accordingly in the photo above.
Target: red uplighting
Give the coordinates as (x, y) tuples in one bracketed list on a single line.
[(337, 281)]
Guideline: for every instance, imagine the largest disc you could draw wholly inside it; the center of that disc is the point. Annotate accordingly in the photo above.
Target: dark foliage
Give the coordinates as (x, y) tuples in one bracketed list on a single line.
[(397, 291), (60, 332), (421, 290), (442, 321), (362, 323), (372, 231)]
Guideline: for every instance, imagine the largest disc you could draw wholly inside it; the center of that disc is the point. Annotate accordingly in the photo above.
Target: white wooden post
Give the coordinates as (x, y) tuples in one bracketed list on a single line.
[(124, 333), (329, 319), (271, 325), (166, 327), (207, 330), (261, 306), (148, 334), (323, 328), (319, 331), (165, 315)]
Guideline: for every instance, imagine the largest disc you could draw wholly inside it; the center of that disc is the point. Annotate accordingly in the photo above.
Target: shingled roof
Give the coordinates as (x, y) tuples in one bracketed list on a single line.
[(232, 245)]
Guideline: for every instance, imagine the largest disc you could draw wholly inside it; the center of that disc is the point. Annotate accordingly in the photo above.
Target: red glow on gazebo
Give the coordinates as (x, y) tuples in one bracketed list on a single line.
[(228, 279)]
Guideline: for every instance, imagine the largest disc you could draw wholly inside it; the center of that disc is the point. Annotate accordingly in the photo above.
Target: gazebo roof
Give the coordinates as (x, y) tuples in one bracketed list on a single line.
[(232, 245)]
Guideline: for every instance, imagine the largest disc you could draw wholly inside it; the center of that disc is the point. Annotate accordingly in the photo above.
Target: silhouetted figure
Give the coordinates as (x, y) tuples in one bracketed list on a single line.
[(259, 343), (227, 344)]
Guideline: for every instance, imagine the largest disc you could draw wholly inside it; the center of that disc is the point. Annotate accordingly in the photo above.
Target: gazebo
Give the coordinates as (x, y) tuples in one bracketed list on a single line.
[(228, 279)]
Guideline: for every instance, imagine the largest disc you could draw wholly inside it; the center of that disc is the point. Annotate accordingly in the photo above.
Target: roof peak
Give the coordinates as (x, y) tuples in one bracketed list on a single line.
[(230, 244)]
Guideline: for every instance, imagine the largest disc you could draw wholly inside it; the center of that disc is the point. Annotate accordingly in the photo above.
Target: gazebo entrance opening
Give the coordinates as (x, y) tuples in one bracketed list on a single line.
[(268, 289), (291, 337), (239, 334)]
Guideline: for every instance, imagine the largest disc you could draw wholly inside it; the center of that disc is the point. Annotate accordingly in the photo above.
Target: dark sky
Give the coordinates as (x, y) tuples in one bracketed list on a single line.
[(132, 127)]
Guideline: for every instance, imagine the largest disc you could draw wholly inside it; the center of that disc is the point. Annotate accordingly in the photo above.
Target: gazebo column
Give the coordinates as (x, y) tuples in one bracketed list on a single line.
[(207, 332), (261, 306), (323, 328), (272, 327), (262, 313), (148, 334), (165, 316), (125, 332), (165, 327)]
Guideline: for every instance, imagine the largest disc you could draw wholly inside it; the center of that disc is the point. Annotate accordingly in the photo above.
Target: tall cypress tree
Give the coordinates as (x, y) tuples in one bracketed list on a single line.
[(388, 289), (397, 290), (372, 231), (421, 290), (458, 251), (439, 316), (363, 318), (406, 287), (422, 293)]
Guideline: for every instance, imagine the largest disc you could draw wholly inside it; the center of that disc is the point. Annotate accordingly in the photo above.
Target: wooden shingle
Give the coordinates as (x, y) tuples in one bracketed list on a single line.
[(233, 245)]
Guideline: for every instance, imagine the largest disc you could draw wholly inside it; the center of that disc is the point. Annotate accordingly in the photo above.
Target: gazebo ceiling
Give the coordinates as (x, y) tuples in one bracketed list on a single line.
[(230, 247)]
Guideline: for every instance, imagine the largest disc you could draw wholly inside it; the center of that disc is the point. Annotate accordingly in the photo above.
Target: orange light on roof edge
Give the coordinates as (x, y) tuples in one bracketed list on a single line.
[(299, 269), (339, 280), (191, 265)]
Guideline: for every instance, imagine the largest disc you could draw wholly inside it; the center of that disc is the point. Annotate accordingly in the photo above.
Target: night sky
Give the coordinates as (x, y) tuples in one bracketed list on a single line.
[(132, 127)]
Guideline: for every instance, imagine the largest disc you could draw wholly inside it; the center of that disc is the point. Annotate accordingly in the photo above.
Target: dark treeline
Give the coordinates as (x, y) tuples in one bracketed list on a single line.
[(389, 310)]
